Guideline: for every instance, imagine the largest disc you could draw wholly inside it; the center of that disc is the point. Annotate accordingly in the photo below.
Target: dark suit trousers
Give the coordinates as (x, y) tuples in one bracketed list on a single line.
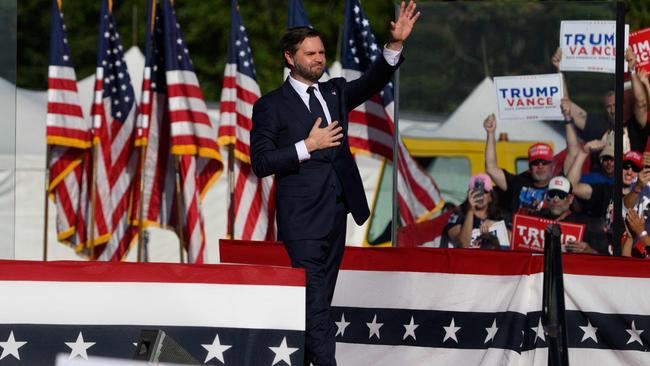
[(321, 259)]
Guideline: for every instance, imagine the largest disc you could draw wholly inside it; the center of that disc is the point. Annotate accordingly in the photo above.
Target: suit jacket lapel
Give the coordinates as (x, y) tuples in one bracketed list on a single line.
[(297, 106), (329, 93)]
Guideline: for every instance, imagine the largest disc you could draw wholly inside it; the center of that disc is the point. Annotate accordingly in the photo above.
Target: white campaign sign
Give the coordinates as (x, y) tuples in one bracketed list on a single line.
[(529, 97), (589, 45), (497, 229)]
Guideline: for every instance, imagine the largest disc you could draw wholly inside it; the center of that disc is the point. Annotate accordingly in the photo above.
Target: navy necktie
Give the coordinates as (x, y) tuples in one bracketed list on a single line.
[(315, 107)]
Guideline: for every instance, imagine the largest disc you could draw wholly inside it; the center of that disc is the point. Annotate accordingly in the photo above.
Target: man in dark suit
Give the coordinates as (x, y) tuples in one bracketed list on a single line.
[(300, 135)]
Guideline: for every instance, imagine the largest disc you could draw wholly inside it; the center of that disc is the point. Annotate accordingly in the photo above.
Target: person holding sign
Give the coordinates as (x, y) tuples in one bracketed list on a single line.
[(594, 126), (478, 213), (559, 198), (526, 190)]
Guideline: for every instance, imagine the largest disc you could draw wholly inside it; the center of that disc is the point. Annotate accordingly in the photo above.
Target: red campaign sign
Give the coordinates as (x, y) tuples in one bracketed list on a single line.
[(640, 43), (528, 232)]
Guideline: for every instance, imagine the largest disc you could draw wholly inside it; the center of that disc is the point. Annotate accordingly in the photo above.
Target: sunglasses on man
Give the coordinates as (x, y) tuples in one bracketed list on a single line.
[(630, 165), (540, 162), (550, 195)]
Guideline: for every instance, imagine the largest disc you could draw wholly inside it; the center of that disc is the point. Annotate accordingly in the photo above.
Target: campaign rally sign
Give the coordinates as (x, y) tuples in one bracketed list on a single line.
[(498, 229), (589, 45), (529, 97), (528, 232), (640, 43)]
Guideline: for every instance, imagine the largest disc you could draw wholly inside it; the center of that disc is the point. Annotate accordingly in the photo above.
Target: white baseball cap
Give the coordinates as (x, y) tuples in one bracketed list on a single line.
[(560, 183)]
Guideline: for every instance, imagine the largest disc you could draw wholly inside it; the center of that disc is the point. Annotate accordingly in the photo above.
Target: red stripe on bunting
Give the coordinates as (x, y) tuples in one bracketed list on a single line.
[(438, 260), (76, 271)]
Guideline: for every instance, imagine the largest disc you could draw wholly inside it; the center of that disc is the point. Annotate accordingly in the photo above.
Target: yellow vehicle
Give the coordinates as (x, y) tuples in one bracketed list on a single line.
[(450, 163)]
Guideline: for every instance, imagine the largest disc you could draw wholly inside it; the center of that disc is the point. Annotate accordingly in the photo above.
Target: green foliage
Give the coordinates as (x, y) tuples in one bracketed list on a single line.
[(8, 40), (205, 26), (518, 37)]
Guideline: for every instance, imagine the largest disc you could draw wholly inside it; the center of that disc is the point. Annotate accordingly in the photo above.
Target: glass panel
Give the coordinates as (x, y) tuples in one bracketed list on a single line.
[(447, 87), (522, 165), (382, 213), (8, 135), (451, 175)]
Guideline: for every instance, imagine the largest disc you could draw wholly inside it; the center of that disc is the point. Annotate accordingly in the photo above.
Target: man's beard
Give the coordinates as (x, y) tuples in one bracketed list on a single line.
[(307, 73), (541, 177), (557, 210)]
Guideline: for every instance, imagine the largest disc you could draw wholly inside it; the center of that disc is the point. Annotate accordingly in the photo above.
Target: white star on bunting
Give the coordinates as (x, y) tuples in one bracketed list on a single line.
[(79, 347), (215, 350), (635, 334), (283, 353), (11, 346), (539, 331), (450, 332), (341, 326), (410, 329), (491, 332), (373, 328), (590, 332)]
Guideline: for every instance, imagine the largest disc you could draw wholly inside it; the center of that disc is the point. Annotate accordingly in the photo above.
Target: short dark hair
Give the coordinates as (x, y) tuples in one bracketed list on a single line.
[(293, 37)]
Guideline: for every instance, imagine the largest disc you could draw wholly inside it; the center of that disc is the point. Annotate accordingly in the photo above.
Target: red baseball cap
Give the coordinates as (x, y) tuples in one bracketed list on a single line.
[(635, 157), (540, 151)]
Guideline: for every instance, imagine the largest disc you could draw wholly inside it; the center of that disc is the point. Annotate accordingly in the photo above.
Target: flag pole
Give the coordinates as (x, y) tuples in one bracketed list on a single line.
[(396, 152), (231, 191), (179, 209), (93, 201), (46, 209), (143, 140), (143, 152)]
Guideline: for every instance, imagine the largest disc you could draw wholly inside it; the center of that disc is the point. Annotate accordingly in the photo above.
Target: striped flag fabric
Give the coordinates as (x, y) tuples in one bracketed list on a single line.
[(371, 126), (253, 202), (68, 136), (297, 15), (430, 306), (219, 314), (176, 134), (113, 114)]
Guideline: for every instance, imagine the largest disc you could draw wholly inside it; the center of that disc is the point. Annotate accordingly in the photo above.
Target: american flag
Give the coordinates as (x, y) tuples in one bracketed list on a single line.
[(429, 306), (297, 15), (371, 127), (176, 133), (220, 314), (114, 114), (68, 135), (253, 198)]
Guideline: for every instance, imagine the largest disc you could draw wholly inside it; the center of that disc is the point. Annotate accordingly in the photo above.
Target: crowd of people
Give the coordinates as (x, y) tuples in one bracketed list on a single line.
[(576, 189)]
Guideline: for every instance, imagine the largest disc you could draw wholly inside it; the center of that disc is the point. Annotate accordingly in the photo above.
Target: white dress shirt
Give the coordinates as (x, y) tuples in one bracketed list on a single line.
[(391, 57)]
